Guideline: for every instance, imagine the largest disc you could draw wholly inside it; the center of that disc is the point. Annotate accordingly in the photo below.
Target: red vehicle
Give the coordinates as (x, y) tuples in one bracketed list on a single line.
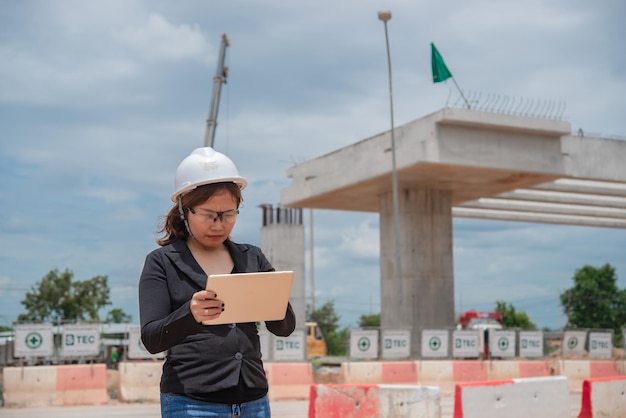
[(481, 320)]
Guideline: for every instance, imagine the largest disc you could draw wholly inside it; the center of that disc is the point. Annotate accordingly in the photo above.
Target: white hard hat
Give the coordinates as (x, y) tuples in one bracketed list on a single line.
[(205, 166)]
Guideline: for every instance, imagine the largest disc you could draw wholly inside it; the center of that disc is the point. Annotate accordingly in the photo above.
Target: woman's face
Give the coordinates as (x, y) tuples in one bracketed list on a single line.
[(214, 219)]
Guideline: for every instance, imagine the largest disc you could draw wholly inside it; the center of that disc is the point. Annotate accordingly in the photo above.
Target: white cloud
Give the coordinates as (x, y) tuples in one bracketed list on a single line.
[(160, 40), (362, 241)]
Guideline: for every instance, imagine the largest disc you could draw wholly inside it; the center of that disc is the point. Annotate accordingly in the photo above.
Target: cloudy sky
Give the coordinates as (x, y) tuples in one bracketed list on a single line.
[(100, 101)]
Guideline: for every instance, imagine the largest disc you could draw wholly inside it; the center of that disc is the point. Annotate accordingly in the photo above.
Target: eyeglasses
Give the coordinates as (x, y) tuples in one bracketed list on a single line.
[(207, 216)]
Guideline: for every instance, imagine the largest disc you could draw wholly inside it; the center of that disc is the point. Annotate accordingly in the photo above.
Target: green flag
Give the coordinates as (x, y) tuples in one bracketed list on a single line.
[(440, 71)]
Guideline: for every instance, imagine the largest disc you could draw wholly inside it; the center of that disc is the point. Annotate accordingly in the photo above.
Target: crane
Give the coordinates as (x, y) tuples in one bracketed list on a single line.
[(218, 80)]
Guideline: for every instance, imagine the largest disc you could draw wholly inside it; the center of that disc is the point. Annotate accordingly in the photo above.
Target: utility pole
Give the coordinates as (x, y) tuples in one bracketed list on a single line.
[(312, 258), (218, 80), (385, 16)]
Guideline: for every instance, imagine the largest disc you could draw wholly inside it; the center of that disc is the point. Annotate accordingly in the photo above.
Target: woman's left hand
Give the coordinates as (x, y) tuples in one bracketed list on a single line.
[(205, 306)]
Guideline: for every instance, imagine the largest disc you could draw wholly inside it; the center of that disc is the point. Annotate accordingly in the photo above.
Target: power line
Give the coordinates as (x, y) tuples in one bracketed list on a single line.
[(14, 289)]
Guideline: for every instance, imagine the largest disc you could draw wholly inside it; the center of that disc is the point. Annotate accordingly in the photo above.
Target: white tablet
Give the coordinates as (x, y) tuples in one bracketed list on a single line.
[(251, 297)]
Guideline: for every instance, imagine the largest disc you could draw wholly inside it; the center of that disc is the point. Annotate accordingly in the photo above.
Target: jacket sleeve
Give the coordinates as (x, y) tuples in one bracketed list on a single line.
[(163, 325), (285, 327)]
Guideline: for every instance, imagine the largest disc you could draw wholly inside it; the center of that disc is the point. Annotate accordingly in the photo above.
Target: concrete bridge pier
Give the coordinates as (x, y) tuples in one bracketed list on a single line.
[(424, 296)]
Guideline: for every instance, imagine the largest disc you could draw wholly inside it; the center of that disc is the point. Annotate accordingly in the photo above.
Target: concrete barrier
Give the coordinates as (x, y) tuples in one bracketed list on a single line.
[(603, 397), (81, 384), (363, 373), (509, 369), (39, 386), (394, 372), (140, 381), (502, 370), (380, 372), (374, 401), (438, 373), (577, 371), (289, 381), (538, 397), (32, 386), (535, 368), (447, 373)]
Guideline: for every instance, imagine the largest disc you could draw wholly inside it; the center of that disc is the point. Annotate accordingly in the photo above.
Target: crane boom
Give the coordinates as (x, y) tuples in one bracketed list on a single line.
[(218, 80)]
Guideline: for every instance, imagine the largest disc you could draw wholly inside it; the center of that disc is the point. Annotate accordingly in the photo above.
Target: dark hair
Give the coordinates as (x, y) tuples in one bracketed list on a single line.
[(173, 226)]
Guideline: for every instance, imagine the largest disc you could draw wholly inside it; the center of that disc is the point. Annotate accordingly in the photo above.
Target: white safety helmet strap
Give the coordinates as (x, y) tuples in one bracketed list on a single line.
[(181, 213), (205, 166)]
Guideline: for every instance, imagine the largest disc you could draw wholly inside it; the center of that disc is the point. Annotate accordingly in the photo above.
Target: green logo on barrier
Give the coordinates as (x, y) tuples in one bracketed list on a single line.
[(572, 343), (33, 340), (364, 343), (503, 343), (434, 343)]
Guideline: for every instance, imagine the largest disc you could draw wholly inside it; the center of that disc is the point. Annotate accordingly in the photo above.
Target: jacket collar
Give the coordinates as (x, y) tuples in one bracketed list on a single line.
[(180, 254)]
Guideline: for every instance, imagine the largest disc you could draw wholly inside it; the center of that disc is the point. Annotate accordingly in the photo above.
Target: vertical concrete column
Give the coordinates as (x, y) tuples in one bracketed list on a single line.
[(423, 298), (283, 245)]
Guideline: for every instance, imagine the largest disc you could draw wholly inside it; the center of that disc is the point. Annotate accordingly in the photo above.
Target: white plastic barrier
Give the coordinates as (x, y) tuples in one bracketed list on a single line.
[(374, 401), (604, 397), (539, 397)]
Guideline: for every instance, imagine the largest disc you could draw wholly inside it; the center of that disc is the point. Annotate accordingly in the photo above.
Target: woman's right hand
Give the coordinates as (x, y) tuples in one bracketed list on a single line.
[(205, 306)]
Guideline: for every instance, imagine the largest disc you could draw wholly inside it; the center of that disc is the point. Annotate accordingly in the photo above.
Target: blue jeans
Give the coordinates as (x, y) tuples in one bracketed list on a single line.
[(177, 406)]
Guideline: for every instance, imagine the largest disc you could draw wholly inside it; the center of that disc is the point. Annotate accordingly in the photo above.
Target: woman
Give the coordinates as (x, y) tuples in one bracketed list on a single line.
[(210, 370)]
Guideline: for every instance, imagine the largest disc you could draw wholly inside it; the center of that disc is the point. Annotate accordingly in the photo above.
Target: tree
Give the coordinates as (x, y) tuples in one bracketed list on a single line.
[(372, 320), (328, 321), (595, 301), (513, 319), (57, 298), (326, 317), (118, 316)]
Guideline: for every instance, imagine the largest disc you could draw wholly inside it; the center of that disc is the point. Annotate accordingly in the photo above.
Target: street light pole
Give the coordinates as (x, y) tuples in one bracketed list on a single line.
[(312, 259), (385, 16)]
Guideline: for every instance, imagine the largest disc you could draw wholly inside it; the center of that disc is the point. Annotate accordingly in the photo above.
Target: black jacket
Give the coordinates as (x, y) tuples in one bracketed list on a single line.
[(200, 358)]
